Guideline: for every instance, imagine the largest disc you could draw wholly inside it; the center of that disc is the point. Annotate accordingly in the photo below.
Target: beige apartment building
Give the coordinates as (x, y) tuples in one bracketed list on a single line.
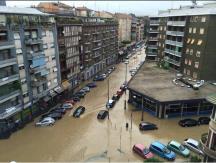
[(124, 28)]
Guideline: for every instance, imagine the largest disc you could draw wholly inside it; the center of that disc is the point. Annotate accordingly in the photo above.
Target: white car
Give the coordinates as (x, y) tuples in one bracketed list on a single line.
[(86, 89), (67, 106), (48, 121), (193, 145)]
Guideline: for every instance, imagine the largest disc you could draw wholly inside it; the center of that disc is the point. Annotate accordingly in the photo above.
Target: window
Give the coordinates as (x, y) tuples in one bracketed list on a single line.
[(188, 72), (189, 62), (194, 75), (191, 52), (203, 19), (164, 28), (19, 51), (198, 53), (45, 46), (51, 45), (196, 64), (161, 28), (2, 20), (199, 42), (188, 40), (186, 61), (190, 30), (187, 51), (194, 30), (185, 70), (16, 36), (192, 41), (201, 31)]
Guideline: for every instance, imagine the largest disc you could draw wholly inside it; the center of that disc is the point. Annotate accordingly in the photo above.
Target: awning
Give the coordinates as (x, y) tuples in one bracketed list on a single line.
[(66, 84), (52, 93), (58, 89), (212, 98), (46, 99)]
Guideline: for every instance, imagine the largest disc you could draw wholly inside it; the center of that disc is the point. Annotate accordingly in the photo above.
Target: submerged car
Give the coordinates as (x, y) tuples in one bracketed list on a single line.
[(85, 89), (91, 85), (102, 114), (67, 106), (162, 151), (188, 122), (115, 97), (110, 104), (120, 92), (147, 126), (142, 151), (48, 121), (54, 115), (178, 148), (203, 120), (80, 110), (193, 145)]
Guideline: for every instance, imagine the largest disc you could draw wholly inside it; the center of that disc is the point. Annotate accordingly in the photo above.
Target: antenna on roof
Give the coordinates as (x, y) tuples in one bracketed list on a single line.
[(194, 3)]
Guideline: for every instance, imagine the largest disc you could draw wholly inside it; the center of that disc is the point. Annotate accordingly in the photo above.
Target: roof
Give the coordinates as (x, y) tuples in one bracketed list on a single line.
[(122, 15), (158, 144), (23, 11), (157, 83), (140, 146), (195, 142), (211, 98), (83, 8), (58, 4), (177, 144)]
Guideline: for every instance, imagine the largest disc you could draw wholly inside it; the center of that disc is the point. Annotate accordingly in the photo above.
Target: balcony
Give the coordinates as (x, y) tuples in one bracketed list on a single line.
[(30, 41), (12, 93), (153, 39), (10, 111), (8, 62), (38, 82), (32, 54), (153, 31), (174, 43), (152, 54), (96, 40), (206, 150), (174, 62), (6, 45), (175, 33), (9, 79), (152, 46), (87, 51), (176, 23), (154, 22), (97, 48), (96, 56), (173, 52)]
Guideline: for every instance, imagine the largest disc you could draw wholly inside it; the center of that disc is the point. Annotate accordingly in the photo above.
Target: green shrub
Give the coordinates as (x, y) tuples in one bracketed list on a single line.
[(195, 158), (153, 160)]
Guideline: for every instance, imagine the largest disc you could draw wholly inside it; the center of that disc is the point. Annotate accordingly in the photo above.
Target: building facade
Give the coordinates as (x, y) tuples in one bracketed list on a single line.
[(208, 140), (69, 34), (183, 38), (99, 45), (30, 65), (124, 26)]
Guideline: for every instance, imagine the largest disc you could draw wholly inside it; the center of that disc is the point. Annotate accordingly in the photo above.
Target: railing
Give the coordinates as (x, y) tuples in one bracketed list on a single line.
[(152, 46), (176, 23), (13, 93), (175, 53), (8, 62), (177, 63), (153, 31), (6, 45), (33, 41), (175, 43), (175, 33), (153, 38), (154, 22), (9, 79), (206, 150), (151, 53), (10, 111), (96, 48), (35, 54)]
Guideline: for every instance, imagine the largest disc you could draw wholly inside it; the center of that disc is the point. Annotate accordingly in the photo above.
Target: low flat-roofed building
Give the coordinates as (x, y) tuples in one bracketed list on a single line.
[(165, 97)]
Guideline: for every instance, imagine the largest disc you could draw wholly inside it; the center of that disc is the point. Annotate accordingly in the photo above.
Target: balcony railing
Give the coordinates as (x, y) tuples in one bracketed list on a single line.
[(152, 46), (172, 61), (174, 43), (206, 150), (8, 62), (30, 41), (35, 54), (13, 93), (97, 48), (153, 31), (172, 52), (39, 82), (153, 38), (6, 45), (175, 33), (176, 23), (154, 22), (9, 79), (151, 53), (10, 111)]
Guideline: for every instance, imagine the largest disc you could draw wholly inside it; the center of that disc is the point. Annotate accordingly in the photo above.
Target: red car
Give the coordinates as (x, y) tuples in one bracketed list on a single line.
[(120, 92), (70, 101), (142, 151)]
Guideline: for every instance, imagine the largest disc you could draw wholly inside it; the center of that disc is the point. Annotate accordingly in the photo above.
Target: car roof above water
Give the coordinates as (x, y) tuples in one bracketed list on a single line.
[(193, 141)]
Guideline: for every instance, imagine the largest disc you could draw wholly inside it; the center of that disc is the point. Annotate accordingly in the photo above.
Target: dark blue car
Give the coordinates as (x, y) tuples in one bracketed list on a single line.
[(91, 85), (161, 150)]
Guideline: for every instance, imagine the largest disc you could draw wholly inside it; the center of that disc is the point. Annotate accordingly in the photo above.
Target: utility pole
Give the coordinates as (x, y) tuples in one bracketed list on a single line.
[(142, 110), (108, 95), (125, 83)]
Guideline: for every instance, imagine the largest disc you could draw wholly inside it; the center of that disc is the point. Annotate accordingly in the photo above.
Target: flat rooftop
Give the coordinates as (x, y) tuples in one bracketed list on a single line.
[(157, 83)]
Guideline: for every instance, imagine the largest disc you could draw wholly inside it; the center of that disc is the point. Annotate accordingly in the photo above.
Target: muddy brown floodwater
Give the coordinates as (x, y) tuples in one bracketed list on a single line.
[(86, 138)]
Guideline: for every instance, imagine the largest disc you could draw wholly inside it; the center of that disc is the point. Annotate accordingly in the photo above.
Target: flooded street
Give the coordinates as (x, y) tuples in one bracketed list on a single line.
[(86, 138)]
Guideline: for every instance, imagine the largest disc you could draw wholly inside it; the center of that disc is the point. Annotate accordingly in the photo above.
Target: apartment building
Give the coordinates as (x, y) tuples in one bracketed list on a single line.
[(99, 45), (184, 40), (124, 27), (69, 34), (208, 140), (30, 65)]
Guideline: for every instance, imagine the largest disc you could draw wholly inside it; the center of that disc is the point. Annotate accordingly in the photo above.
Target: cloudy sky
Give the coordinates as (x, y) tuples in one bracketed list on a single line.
[(136, 7)]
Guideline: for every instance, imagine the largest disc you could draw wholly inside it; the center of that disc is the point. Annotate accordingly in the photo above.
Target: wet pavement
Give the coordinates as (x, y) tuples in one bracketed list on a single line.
[(89, 140)]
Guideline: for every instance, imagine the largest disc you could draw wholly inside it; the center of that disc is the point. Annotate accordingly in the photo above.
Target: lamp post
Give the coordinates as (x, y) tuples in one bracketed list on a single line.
[(108, 94), (126, 63), (142, 110)]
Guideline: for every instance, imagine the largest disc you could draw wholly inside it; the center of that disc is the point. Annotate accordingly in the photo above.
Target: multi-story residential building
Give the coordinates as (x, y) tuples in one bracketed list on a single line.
[(186, 41), (2, 3), (29, 61), (145, 21), (124, 27), (99, 45), (152, 42), (208, 140), (133, 27), (69, 35), (56, 8), (139, 30), (103, 14), (84, 11)]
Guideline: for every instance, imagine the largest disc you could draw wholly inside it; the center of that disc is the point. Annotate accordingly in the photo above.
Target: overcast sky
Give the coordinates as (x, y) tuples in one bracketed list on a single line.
[(136, 7)]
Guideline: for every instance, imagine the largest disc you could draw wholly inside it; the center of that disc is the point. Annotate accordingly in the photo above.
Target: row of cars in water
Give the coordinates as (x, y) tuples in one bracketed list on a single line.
[(170, 150)]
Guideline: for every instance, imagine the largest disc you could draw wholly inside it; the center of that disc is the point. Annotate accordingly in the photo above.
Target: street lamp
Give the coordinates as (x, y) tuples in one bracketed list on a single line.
[(108, 94), (126, 63), (142, 109)]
